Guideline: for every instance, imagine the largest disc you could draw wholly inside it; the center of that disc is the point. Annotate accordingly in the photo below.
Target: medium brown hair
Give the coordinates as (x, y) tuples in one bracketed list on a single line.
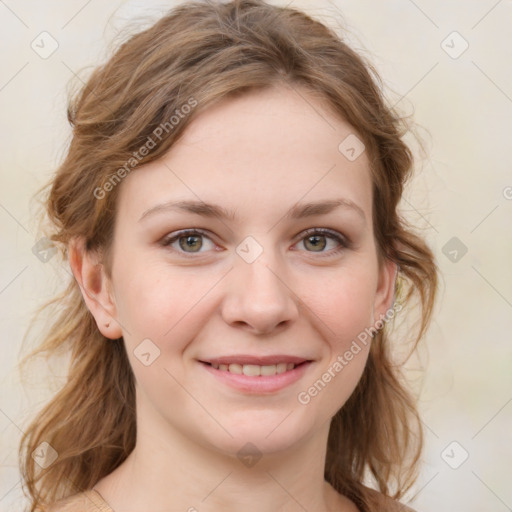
[(209, 51)]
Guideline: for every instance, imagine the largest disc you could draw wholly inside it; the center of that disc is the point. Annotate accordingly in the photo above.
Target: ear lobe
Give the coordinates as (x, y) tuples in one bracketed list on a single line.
[(95, 286), (385, 293)]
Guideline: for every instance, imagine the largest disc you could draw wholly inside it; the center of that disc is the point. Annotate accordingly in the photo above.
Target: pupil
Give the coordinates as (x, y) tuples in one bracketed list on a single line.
[(316, 241), (191, 242)]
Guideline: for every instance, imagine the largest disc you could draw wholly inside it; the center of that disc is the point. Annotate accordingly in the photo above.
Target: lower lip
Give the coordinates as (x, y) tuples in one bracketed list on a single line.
[(259, 384)]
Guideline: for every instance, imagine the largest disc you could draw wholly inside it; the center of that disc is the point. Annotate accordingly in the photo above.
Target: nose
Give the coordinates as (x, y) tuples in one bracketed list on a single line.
[(259, 297)]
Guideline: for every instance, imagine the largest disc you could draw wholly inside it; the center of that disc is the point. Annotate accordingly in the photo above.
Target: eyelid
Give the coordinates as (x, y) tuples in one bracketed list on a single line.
[(340, 237)]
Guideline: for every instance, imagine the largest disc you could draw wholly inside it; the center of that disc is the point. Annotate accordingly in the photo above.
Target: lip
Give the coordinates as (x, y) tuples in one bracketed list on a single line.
[(259, 360), (262, 384)]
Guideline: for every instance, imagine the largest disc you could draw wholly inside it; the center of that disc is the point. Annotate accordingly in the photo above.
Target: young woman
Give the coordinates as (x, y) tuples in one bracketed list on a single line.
[(228, 208)]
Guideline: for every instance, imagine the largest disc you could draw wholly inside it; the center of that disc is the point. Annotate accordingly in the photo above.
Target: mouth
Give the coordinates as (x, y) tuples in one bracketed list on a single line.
[(257, 375), (255, 370)]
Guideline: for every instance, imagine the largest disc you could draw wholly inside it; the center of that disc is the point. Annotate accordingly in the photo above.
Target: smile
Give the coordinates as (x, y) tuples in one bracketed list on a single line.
[(254, 370), (257, 379)]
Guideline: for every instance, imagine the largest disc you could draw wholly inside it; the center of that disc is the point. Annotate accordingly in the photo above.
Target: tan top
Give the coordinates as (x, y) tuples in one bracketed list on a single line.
[(86, 501)]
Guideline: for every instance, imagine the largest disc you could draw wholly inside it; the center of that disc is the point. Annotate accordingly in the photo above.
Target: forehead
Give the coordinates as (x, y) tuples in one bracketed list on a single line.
[(264, 149)]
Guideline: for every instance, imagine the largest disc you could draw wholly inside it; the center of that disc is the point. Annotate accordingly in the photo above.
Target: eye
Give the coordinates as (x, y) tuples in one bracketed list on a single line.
[(190, 241), (316, 239), (187, 239)]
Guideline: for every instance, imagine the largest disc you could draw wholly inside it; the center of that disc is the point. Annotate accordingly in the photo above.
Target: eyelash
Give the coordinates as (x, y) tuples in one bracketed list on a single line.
[(343, 241)]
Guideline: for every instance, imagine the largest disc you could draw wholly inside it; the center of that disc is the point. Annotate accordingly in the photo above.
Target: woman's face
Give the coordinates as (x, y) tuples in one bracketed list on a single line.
[(266, 281)]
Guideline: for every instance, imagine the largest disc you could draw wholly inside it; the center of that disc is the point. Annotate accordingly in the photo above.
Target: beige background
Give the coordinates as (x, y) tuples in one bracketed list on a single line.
[(463, 189)]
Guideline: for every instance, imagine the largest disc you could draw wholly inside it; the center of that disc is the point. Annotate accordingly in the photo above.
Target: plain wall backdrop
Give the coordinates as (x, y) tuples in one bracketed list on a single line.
[(446, 61)]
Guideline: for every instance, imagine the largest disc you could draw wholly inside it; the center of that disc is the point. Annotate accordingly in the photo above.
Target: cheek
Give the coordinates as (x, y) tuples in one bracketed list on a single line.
[(345, 313), (161, 303), (343, 303)]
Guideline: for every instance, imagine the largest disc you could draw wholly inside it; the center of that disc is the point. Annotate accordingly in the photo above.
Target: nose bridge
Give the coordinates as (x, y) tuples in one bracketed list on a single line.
[(259, 294)]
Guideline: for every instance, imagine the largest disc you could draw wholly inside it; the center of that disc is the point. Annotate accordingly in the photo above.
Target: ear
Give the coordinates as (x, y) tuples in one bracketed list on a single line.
[(385, 293), (95, 286)]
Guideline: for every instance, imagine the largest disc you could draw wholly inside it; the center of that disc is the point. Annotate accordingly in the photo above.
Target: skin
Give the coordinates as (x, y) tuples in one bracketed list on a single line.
[(258, 155)]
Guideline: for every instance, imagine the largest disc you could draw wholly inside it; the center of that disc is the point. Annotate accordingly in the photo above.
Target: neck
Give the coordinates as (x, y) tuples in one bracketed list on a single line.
[(168, 471)]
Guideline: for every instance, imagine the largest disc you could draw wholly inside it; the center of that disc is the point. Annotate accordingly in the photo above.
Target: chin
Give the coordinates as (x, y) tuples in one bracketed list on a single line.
[(272, 436)]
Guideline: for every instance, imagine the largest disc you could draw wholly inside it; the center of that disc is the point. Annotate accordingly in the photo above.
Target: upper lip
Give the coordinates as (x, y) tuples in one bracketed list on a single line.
[(257, 360)]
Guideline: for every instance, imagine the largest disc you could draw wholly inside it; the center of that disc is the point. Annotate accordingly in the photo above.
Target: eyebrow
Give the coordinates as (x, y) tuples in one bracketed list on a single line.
[(298, 211)]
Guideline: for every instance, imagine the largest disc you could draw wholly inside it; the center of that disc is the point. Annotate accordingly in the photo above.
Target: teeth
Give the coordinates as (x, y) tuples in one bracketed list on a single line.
[(268, 370), (254, 370), (281, 368), (236, 368), (250, 370)]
